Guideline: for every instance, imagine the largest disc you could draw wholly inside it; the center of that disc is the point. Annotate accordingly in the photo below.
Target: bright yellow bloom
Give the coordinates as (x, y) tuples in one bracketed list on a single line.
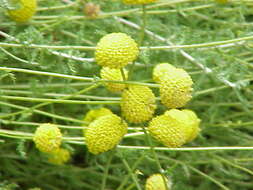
[(116, 50), (161, 70), (96, 113), (25, 12), (168, 131), (193, 124), (137, 2), (59, 157), (104, 133), (138, 103), (47, 137), (107, 73), (156, 182), (176, 88)]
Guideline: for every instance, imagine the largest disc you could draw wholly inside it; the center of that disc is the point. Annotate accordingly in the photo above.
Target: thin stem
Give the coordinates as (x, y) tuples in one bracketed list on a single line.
[(47, 103), (161, 170), (143, 26), (56, 7), (59, 101), (9, 122), (75, 77), (209, 177), (103, 185), (64, 118), (234, 165), (123, 74), (187, 149), (125, 180), (130, 171), (35, 46), (24, 92), (169, 47), (110, 14)]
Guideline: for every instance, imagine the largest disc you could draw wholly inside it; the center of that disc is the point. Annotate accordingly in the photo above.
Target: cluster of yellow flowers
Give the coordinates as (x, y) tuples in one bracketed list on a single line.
[(138, 103)]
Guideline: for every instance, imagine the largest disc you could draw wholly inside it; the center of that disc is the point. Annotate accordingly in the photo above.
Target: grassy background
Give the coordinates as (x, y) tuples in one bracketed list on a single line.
[(226, 112)]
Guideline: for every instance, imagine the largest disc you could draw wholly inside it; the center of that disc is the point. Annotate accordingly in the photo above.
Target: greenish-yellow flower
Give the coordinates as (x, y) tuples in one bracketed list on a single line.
[(107, 73), (47, 138), (25, 12), (156, 182), (138, 103), (104, 133), (116, 50), (176, 88), (96, 113)]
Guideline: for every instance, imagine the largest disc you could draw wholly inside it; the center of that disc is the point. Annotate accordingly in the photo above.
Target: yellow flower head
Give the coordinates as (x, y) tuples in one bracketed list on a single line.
[(116, 50), (59, 156), (137, 2), (156, 182), (187, 120), (104, 133), (96, 113), (138, 103), (168, 131), (162, 70), (176, 88), (107, 73), (25, 12), (47, 137), (193, 123)]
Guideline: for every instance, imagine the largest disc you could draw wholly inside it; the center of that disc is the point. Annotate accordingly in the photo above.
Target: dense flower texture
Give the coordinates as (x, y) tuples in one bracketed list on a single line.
[(96, 113), (176, 88), (156, 182), (193, 124), (116, 50), (47, 138), (161, 71), (136, 2), (138, 103), (107, 73), (175, 128), (59, 157), (25, 12), (104, 133)]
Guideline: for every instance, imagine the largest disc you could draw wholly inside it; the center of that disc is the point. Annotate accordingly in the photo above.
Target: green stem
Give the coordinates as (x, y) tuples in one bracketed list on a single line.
[(123, 74), (126, 179), (169, 47), (23, 92), (75, 77), (143, 26), (209, 177), (56, 7), (64, 118), (161, 170), (130, 172), (141, 37), (229, 148), (49, 102), (8, 122), (103, 185), (59, 101), (234, 165)]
